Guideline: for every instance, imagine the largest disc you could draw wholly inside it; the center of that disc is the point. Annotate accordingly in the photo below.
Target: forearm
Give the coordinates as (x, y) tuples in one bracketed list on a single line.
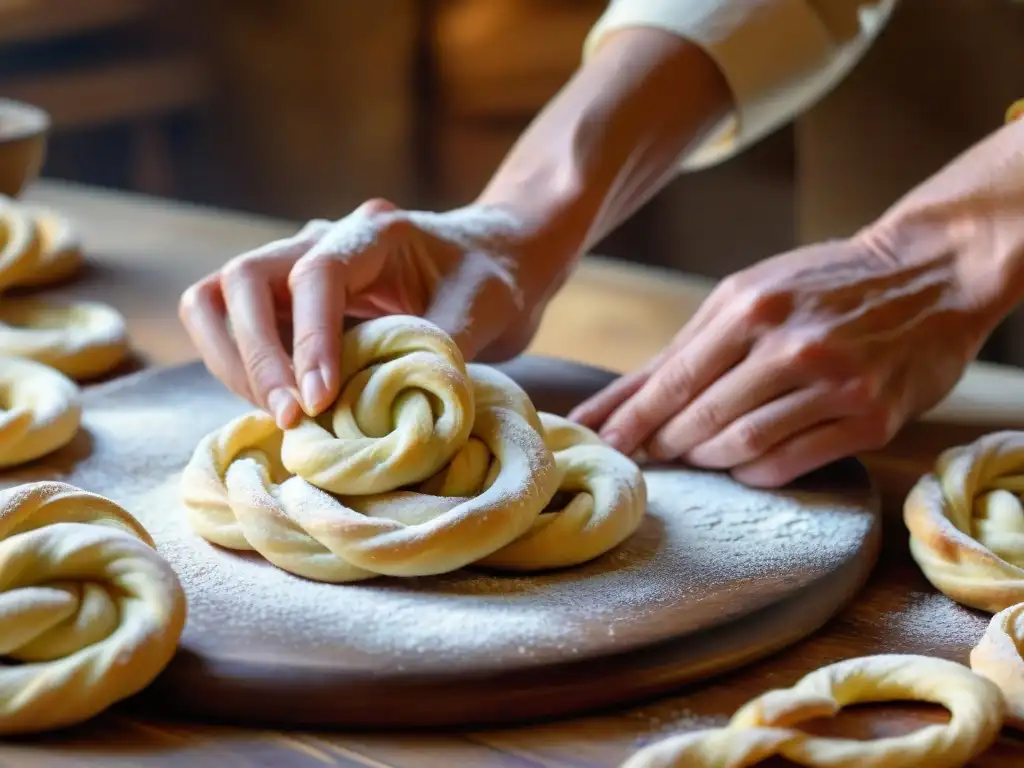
[(607, 143), (972, 209)]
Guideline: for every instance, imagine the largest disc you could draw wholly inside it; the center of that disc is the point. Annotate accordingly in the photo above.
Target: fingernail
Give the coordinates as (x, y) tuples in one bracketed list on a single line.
[(282, 405), (314, 392)]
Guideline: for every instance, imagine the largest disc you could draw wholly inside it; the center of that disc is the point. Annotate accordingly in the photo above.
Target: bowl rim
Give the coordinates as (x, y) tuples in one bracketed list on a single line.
[(31, 120)]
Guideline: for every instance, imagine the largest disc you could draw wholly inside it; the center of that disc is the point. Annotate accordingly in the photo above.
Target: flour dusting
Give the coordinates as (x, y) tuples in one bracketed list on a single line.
[(704, 536)]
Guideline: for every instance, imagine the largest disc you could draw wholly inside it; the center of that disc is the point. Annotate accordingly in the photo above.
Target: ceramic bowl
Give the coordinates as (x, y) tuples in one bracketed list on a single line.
[(23, 133)]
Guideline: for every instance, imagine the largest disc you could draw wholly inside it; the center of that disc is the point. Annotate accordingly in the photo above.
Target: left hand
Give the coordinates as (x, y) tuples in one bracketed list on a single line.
[(801, 360)]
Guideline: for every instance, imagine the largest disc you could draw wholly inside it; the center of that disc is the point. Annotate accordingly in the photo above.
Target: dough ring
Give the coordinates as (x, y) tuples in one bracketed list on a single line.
[(89, 612), (82, 339), (766, 726), (41, 411), (42, 247), (966, 522), (997, 656), (396, 509)]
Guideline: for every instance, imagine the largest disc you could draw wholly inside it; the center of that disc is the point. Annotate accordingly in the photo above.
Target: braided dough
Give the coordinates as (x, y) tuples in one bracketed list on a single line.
[(423, 466), (83, 339), (87, 607), (38, 246), (997, 656), (766, 725), (41, 411), (966, 522)]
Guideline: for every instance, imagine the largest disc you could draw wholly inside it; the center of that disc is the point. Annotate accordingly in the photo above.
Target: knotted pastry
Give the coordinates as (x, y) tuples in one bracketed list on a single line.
[(89, 612), (966, 522), (766, 726), (82, 339), (39, 245), (423, 466), (40, 410), (997, 656)]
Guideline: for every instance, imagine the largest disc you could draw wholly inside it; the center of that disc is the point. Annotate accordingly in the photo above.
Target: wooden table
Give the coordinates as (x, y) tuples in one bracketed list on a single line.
[(145, 252)]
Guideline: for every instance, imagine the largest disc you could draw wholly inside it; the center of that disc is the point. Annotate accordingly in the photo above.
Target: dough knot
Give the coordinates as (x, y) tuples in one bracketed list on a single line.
[(966, 522), (766, 726), (89, 612), (423, 466)]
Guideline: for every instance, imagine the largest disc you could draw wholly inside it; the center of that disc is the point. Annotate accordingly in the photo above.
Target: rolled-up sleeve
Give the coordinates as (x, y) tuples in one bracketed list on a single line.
[(778, 56)]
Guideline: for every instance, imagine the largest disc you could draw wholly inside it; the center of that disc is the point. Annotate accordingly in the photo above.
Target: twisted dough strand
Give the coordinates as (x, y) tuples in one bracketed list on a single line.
[(966, 522), (431, 465), (998, 656), (87, 607), (766, 725)]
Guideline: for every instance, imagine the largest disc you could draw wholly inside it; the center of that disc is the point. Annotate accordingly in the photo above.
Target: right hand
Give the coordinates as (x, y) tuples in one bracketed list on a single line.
[(463, 270)]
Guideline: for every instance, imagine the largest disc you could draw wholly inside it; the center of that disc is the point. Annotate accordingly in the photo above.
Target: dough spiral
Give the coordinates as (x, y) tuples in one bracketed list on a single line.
[(424, 465), (81, 339), (40, 410), (966, 522), (89, 612), (40, 246), (766, 726), (998, 656)]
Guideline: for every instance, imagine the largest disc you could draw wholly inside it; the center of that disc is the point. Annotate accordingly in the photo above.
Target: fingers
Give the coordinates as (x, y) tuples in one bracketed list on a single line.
[(755, 381), (347, 258), (755, 433), (681, 377), (819, 446), (204, 314), (594, 411)]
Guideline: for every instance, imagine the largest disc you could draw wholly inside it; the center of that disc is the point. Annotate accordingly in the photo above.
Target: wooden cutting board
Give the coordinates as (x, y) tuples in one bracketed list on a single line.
[(717, 576)]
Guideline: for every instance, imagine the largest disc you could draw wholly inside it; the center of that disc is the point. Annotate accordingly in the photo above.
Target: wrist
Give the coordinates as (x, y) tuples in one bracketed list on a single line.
[(605, 145)]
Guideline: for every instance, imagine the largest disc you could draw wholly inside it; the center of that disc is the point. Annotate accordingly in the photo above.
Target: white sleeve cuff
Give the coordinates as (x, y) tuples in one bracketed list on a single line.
[(778, 56)]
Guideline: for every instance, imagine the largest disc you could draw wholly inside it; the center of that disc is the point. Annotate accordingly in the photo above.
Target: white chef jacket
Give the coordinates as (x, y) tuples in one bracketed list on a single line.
[(778, 56)]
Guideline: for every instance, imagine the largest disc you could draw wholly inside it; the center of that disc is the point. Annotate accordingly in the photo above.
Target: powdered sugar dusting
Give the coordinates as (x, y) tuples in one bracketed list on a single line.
[(704, 536)]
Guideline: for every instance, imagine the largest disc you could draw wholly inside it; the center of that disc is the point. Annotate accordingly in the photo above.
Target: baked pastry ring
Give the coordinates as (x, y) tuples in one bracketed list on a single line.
[(433, 465), (997, 656), (82, 339), (766, 725), (89, 611), (966, 522), (41, 410), (41, 246)]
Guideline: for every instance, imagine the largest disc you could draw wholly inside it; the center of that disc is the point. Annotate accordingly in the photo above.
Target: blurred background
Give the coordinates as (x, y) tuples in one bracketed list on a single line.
[(304, 108)]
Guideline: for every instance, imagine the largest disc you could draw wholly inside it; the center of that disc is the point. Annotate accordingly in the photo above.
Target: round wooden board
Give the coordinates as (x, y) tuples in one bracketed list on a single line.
[(717, 576)]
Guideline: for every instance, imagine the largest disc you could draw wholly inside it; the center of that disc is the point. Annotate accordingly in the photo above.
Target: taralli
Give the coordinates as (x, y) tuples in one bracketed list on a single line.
[(40, 410), (966, 522), (42, 247), (423, 466), (87, 607), (998, 656), (82, 339), (766, 726)]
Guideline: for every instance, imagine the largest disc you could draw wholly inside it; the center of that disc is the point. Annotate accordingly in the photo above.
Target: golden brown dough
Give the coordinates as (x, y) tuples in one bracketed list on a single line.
[(966, 522)]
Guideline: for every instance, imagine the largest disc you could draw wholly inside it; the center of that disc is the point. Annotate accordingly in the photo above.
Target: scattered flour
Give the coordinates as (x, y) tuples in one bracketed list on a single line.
[(933, 621), (704, 536)]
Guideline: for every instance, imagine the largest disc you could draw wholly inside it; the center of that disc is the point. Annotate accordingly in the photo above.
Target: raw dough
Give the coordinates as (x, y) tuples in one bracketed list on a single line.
[(89, 612), (82, 339), (434, 465), (41, 246), (766, 725), (997, 656), (40, 410), (966, 522)]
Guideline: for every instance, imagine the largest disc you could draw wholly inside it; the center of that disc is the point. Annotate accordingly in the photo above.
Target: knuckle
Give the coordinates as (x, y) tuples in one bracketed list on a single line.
[(750, 436), (807, 351), (706, 418), (190, 299), (762, 305), (879, 427), (675, 380), (861, 392), (238, 270), (319, 265), (263, 367)]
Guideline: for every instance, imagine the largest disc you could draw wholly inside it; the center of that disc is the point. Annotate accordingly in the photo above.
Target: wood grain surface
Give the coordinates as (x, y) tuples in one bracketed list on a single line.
[(144, 251), (718, 575)]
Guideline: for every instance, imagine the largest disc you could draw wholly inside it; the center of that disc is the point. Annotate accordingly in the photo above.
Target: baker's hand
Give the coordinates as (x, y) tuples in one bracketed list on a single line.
[(456, 268), (801, 360)]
